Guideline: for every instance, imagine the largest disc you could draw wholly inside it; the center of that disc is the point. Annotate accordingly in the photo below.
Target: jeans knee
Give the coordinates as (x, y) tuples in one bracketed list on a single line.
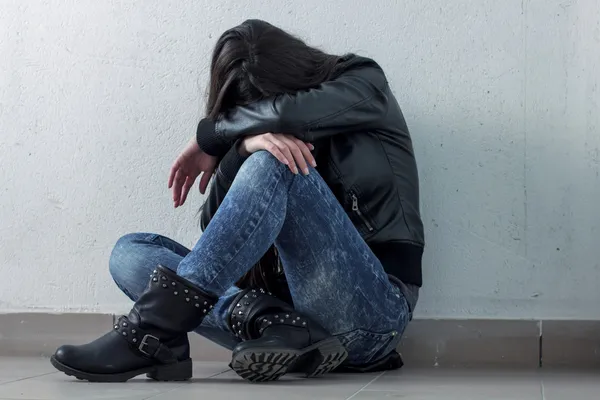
[(118, 264), (259, 162)]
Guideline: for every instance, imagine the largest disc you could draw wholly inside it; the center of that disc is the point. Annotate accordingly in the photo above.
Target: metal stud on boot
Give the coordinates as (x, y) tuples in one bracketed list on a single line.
[(277, 340), (151, 340)]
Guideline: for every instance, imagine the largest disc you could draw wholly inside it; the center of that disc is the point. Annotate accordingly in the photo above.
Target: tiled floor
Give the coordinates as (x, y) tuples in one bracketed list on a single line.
[(36, 379)]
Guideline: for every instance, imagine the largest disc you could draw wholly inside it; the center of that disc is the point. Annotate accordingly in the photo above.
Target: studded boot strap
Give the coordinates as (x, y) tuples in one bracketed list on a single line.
[(252, 306), (289, 319), (143, 341), (167, 280), (170, 307)]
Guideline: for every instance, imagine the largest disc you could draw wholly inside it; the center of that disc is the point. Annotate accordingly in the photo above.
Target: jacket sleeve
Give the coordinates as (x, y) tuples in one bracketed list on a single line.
[(356, 100), (226, 172)]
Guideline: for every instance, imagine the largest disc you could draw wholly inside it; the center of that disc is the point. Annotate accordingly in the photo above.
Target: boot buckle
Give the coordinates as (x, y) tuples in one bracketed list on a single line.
[(144, 344)]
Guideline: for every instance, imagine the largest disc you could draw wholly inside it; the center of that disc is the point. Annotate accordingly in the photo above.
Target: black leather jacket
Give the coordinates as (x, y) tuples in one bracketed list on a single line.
[(363, 151)]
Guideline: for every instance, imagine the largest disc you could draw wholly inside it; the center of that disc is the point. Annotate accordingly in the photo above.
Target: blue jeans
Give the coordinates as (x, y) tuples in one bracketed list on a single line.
[(333, 276)]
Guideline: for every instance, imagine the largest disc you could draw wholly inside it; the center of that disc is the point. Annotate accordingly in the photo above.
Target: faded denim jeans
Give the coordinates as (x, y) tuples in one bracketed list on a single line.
[(332, 274)]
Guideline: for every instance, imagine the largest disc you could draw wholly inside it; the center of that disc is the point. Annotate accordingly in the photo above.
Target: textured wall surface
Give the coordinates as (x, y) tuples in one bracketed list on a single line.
[(97, 97)]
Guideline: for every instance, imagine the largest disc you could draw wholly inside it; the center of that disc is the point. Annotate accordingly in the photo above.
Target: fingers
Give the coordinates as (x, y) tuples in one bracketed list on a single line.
[(204, 181), (287, 149), (277, 142), (302, 153), (307, 149), (174, 169), (187, 185), (296, 153), (274, 150), (178, 183)]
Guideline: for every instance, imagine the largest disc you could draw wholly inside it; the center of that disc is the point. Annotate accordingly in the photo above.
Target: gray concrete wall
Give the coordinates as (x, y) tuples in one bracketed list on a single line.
[(96, 98)]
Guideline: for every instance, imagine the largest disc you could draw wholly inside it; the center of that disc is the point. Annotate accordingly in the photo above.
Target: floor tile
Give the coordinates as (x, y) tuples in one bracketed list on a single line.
[(56, 386), (35, 379), (455, 384), (230, 387), (458, 395), (12, 369), (562, 385)]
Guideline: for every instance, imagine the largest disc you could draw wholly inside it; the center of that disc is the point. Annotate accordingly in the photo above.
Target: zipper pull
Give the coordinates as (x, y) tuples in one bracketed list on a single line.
[(356, 210), (354, 202)]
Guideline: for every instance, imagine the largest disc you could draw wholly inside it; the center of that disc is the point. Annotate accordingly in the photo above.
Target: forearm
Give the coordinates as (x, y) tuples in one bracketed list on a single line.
[(356, 101)]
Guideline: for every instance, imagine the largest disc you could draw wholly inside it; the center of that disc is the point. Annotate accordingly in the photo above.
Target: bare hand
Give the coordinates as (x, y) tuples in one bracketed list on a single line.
[(187, 167), (289, 150)]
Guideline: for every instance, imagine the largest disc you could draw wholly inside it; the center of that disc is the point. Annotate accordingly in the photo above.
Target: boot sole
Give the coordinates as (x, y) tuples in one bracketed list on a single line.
[(270, 364), (180, 371)]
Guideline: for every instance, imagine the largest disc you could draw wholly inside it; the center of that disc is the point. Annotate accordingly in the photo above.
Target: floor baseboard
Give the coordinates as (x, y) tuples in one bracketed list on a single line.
[(426, 342)]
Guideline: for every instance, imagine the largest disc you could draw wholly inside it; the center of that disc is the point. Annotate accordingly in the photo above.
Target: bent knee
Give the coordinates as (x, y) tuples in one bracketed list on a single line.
[(259, 165), (120, 258), (262, 160)]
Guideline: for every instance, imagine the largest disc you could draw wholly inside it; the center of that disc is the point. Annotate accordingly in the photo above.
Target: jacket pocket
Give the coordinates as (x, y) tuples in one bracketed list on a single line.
[(359, 216)]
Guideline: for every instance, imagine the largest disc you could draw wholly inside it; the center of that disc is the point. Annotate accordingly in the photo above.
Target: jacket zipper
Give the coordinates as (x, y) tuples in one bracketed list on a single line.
[(359, 213)]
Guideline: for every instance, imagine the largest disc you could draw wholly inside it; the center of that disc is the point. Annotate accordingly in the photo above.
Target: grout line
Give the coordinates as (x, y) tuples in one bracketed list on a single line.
[(364, 387), (161, 393), (219, 373), (29, 377), (183, 385), (540, 345)]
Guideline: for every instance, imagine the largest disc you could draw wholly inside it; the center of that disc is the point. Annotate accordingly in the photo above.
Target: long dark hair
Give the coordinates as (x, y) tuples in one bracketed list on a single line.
[(253, 61), (256, 60)]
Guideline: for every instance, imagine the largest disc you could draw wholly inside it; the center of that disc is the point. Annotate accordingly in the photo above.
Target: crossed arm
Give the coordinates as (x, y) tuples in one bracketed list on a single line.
[(355, 101)]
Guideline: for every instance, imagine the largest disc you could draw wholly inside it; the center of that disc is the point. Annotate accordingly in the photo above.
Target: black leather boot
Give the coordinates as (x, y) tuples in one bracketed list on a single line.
[(278, 340), (151, 340)]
